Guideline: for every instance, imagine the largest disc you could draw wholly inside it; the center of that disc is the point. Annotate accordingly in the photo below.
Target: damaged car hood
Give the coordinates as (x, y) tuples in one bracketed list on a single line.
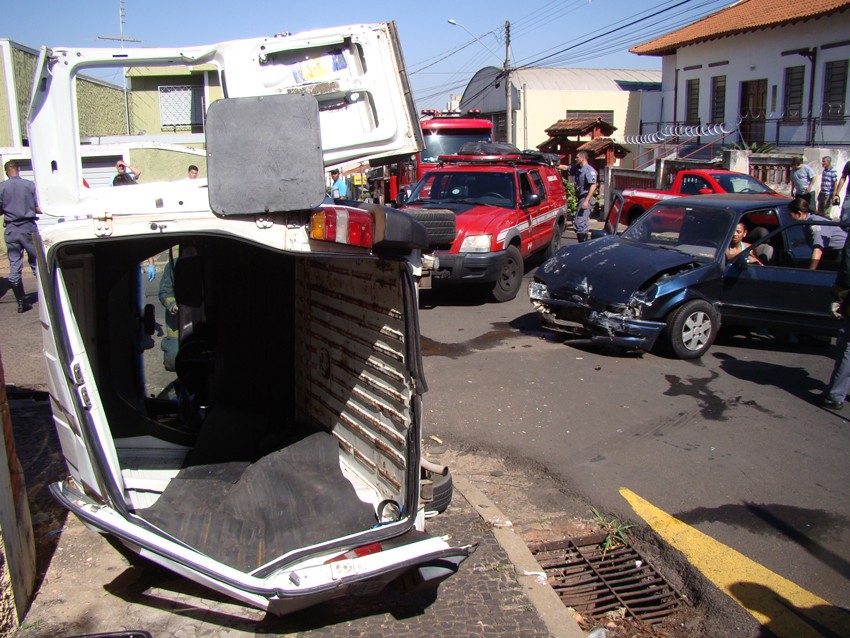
[(608, 268)]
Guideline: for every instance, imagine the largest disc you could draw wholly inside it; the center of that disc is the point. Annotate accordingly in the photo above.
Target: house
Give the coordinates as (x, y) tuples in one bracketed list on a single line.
[(756, 72), (543, 96)]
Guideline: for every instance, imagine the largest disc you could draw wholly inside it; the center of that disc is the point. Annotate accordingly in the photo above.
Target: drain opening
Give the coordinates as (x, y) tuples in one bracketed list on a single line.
[(595, 583)]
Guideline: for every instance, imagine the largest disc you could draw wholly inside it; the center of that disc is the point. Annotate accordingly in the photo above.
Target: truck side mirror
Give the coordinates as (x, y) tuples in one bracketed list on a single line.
[(705, 191), (532, 199)]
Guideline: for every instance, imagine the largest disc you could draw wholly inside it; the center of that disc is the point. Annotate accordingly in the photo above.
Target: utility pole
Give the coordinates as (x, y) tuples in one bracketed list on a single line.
[(122, 38), (508, 93)]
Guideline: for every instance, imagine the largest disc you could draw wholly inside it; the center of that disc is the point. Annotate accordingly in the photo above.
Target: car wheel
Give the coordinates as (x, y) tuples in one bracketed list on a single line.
[(509, 280), (691, 329), (554, 243)]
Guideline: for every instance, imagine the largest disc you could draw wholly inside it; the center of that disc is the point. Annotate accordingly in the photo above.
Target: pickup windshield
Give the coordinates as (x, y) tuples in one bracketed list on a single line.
[(466, 187), (694, 230), (448, 143), (740, 183)]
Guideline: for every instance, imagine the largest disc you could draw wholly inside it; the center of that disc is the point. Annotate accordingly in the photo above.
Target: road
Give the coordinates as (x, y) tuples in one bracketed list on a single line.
[(733, 444)]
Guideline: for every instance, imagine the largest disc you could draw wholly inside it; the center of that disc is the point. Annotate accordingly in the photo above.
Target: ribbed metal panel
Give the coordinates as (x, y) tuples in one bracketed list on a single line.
[(354, 380)]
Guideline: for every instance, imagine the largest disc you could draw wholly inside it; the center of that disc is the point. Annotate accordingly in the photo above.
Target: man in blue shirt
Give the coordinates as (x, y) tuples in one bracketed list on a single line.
[(339, 190), (19, 208), (827, 184), (820, 238)]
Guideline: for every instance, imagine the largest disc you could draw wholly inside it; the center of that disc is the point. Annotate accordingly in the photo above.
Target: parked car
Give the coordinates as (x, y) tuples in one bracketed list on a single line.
[(276, 457), (689, 181), (487, 210), (668, 276)]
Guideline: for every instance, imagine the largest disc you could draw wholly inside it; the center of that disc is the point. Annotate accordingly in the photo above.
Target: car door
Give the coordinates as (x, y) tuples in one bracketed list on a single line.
[(530, 229), (784, 294)]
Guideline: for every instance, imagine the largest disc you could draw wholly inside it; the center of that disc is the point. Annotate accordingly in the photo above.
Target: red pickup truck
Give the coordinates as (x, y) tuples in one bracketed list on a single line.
[(701, 181)]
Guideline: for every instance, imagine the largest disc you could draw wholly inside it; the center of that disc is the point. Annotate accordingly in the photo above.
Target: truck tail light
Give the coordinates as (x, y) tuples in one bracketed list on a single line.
[(357, 552), (342, 226)]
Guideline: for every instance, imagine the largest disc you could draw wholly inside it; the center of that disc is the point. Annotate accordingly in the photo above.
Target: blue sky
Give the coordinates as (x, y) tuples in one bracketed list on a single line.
[(441, 58)]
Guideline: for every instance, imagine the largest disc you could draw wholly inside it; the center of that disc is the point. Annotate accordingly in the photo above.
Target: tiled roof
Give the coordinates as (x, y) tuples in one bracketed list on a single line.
[(741, 17), (580, 126)]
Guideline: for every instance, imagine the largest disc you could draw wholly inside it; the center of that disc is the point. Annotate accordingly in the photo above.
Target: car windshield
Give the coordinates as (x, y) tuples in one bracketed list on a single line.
[(740, 183), (448, 143), (469, 187), (700, 231)]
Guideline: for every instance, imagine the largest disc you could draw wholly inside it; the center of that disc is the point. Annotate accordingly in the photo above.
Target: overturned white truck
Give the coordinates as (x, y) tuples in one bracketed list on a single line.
[(259, 431)]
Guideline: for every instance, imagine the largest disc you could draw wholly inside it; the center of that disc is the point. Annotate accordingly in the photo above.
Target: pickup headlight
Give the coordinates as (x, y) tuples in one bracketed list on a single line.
[(476, 244)]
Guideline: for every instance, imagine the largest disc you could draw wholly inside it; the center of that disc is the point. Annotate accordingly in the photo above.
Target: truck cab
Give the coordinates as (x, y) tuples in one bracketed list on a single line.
[(487, 210), (251, 418)]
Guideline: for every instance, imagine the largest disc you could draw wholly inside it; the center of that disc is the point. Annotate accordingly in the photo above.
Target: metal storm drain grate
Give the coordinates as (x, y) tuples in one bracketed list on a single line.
[(594, 584)]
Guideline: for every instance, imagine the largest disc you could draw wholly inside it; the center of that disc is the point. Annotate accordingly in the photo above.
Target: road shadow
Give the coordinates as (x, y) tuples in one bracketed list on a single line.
[(449, 295), (40, 454), (796, 381), (787, 619), (780, 521)]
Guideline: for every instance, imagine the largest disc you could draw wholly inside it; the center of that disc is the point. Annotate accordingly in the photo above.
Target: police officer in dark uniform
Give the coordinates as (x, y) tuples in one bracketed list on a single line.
[(586, 184), (19, 208)]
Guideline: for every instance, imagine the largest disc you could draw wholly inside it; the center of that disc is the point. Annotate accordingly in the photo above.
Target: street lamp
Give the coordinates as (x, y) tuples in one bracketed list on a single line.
[(506, 72), (475, 37)]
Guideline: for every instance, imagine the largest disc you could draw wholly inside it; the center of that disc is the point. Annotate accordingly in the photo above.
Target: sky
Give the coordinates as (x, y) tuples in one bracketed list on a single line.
[(441, 58)]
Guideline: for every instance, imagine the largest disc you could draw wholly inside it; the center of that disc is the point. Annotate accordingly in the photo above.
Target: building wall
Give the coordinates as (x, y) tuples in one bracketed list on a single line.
[(23, 63), (755, 56), (6, 138), (144, 96), (101, 109)]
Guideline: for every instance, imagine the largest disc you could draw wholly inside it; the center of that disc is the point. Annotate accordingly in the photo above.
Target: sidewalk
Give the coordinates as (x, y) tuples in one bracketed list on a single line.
[(89, 586)]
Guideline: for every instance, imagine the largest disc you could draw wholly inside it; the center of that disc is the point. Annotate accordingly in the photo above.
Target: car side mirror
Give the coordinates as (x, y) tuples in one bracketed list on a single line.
[(532, 199), (705, 191), (401, 198), (596, 234), (742, 262)]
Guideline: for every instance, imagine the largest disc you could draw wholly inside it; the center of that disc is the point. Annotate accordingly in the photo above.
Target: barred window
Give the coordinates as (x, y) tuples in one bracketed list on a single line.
[(181, 106), (793, 100), (692, 102), (834, 89), (718, 99)]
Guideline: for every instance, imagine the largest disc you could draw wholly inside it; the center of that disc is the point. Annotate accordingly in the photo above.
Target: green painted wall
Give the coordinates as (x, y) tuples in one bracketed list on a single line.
[(5, 115), (23, 64), (101, 109), (163, 165)]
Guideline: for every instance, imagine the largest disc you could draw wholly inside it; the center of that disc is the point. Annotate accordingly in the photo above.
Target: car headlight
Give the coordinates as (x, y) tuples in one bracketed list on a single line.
[(476, 244), (537, 291)]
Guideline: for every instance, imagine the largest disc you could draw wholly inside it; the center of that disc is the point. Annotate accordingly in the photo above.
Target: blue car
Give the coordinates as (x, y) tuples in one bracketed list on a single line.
[(669, 276)]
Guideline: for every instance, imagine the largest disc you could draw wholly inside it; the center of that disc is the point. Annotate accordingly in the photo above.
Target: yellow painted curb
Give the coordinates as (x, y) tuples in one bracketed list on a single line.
[(787, 609)]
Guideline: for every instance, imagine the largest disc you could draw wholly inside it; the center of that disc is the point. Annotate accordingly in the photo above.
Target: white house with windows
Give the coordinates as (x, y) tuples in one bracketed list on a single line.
[(773, 72)]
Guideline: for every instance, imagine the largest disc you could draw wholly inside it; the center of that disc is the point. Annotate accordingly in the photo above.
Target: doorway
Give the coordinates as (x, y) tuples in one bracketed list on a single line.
[(753, 111)]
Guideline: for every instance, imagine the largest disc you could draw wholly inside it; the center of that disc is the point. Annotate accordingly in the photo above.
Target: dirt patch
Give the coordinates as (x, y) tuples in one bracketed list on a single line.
[(541, 509)]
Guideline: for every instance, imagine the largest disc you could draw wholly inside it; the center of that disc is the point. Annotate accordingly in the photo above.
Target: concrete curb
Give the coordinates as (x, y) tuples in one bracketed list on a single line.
[(530, 576)]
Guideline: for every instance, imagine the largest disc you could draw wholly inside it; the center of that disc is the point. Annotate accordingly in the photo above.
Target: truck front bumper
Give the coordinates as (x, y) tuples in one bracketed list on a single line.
[(469, 267)]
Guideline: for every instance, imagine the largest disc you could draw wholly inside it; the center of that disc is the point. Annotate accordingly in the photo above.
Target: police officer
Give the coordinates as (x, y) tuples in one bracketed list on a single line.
[(586, 184), (19, 208)]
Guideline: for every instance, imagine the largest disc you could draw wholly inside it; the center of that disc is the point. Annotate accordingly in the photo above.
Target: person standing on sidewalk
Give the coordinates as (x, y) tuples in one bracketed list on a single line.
[(827, 185), (801, 178), (839, 381), (586, 184), (19, 208), (836, 195)]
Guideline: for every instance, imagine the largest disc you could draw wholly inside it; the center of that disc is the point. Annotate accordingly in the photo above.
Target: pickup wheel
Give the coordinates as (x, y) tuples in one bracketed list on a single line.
[(634, 213), (555, 242), (508, 283), (691, 329)]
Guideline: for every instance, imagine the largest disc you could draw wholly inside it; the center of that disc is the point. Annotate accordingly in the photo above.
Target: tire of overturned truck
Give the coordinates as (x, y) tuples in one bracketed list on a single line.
[(443, 490), (441, 225)]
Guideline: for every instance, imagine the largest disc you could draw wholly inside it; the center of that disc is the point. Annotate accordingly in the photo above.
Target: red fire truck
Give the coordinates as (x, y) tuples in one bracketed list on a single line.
[(444, 133)]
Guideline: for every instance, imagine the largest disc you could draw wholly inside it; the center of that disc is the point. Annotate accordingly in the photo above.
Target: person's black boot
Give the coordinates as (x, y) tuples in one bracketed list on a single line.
[(20, 296)]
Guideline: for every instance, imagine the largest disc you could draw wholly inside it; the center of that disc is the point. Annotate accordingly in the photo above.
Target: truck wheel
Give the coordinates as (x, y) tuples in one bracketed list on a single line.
[(507, 285), (555, 242), (441, 225), (443, 490), (634, 213), (691, 329)]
